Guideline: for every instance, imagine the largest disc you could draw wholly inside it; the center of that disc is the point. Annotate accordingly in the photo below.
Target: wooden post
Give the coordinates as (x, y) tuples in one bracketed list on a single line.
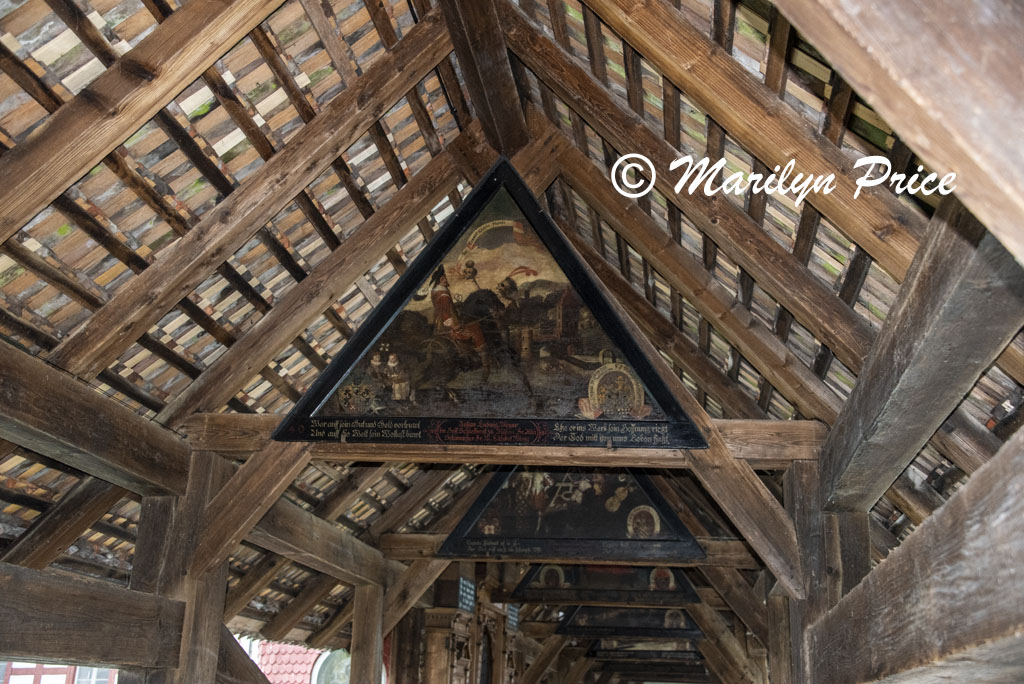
[(367, 634)]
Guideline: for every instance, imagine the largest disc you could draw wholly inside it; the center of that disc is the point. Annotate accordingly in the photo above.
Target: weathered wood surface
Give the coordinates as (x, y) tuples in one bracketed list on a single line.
[(234, 666), (54, 414), (193, 257), (50, 617), (762, 443), (751, 113), (118, 102), (948, 603), (917, 63), (252, 583), (292, 532), (246, 497), (962, 303), (367, 635), (727, 553), (480, 48), (550, 649), (729, 654), (316, 589)]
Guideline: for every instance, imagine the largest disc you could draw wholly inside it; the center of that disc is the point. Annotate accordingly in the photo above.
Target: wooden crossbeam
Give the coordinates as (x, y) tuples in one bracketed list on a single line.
[(751, 113), (423, 546), (948, 600), (193, 257), (762, 443), (728, 655), (51, 617), (550, 649), (118, 102), (962, 303), (367, 633), (54, 414), (920, 88), (316, 590), (234, 666)]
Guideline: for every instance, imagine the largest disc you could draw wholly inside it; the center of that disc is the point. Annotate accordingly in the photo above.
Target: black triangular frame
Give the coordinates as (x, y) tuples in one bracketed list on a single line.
[(300, 425), (572, 595), (684, 548)]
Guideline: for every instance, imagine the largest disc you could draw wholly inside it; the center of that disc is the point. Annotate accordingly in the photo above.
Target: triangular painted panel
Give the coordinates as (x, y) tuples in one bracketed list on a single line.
[(496, 334), (605, 585), (649, 650), (598, 621), (572, 514)]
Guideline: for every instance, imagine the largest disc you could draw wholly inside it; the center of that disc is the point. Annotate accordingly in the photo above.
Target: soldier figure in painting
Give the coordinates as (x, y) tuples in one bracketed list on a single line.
[(446, 320)]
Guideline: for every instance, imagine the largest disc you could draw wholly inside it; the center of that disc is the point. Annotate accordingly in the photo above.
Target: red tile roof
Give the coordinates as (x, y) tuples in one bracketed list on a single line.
[(287, 663)]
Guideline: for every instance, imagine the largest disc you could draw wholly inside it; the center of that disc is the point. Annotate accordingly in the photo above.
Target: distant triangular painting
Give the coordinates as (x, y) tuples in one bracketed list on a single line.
[(631, 585), (596, 621), (572, 513), (497, 335)]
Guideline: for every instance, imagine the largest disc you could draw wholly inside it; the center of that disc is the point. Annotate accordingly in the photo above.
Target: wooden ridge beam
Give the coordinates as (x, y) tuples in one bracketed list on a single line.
[(730, 553), (962, 303), (193, 257), (920, 87), (762, 443), (755, 116), (51, 617), (480, 48), (947, 599), (54, 414), (135, 87)]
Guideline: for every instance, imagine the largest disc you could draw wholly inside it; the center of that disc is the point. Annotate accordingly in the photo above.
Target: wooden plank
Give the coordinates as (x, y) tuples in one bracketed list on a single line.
[(367, 636), (735, 591), (50, 617), (300, 536), (751, 113), (50, 412), (410, 586), (193, 257), (762, 443), (730, 652), (962, 303), (234, 511), (234, 666), (947, 600), (325, 284), (918, 85), (480, 49), (727, 553), (83, 131), (53, 532)]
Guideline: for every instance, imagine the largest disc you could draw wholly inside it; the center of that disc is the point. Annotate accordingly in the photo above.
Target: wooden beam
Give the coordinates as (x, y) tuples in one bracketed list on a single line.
[(50, 617), (234, 666), (480, 48), (962, 303), (767, 444), (367, 636), (947, 600), (550, 649), (300, 536), (54, 531), (52, 413), (728, 646), (193, 257), (234, 511), (722, 88), (410, 586), (135, 87), (252, 583), (729, 553), (920, 88)]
